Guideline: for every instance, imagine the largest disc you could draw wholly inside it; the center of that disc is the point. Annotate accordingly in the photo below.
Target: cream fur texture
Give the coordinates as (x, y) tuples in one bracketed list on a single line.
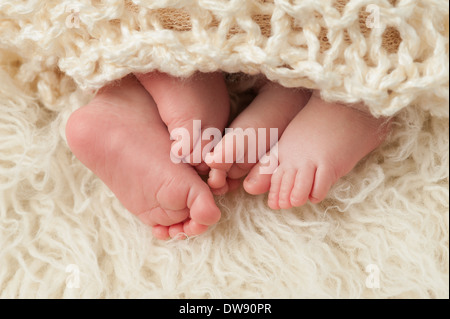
[(383, 230)]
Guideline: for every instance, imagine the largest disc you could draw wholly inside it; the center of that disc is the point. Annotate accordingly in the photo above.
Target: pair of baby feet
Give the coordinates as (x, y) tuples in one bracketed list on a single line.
[(123, 136)]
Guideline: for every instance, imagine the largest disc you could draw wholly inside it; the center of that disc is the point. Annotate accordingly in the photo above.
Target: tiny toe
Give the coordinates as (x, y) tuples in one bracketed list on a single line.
[(302, 186), (220, 191), (274, 192), (217, 178), (191, 228), (285, 189), (323, 180), (176, 231), (161, 232)]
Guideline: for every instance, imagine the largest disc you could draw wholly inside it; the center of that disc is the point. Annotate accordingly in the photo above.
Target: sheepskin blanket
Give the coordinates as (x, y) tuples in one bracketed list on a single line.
[(383, 230)]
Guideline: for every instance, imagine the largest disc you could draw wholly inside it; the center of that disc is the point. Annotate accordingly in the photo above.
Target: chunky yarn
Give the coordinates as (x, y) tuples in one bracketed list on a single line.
[(388, 54)]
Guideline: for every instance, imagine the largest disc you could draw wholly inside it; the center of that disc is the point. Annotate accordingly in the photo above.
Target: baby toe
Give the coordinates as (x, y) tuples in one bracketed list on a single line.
[(161, 232), (177, 231), (302, 186), (191, 228), (220, 191), (274, 192), (285, 189), (217, 178), (324, 178)]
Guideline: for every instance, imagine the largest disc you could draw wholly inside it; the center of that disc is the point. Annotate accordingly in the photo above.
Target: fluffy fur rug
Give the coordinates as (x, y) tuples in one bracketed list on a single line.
[(382, 232)]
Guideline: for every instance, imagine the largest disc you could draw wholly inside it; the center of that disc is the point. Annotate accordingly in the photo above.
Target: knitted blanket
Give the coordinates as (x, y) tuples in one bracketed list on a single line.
[(383, 230)]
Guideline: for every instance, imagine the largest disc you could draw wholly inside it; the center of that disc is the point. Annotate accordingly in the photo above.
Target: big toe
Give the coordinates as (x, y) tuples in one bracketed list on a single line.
[(258, 181)]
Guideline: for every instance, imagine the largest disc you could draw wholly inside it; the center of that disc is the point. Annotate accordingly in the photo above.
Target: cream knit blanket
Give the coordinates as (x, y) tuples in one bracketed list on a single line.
[(383, 230)]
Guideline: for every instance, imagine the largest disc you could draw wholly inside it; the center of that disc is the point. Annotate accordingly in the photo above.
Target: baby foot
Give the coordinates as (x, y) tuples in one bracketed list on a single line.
[(323, 143), (252, 134), (122, 139), (202, 98)]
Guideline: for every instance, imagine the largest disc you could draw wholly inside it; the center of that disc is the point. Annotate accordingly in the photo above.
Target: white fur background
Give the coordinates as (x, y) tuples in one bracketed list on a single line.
[(57, 221), (63, 234)]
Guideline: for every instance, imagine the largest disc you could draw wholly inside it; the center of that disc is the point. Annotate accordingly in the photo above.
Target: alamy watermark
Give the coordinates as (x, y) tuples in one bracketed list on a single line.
[(249, 145), (73, 279), (373, 279), (373, 20), (73, 18)]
